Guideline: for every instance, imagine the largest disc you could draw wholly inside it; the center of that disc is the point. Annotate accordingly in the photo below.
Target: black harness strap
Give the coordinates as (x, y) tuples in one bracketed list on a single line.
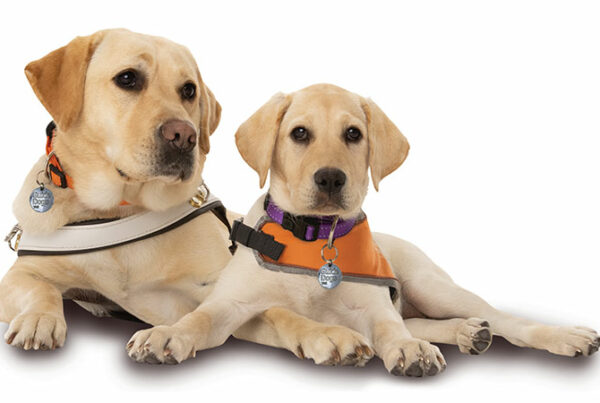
[(259, 241), (221, 213)]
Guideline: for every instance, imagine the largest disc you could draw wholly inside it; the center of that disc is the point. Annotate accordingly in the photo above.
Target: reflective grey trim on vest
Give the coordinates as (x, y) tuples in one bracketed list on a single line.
[(392, 283)]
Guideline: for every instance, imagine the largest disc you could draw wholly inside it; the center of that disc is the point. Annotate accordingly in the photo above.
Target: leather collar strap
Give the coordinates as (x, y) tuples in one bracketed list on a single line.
[(307, 228), (55, 172), (103, 234)]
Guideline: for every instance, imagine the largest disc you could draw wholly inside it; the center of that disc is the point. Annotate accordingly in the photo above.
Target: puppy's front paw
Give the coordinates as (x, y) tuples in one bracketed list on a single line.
[(37, 330), (474, 336), (334, 345), (414, 357), (569, 341), (161, 345)]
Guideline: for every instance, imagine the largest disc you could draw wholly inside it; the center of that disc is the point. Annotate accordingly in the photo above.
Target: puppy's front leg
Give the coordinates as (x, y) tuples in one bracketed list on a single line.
[(34, 309), (325, 344), (401, 353)]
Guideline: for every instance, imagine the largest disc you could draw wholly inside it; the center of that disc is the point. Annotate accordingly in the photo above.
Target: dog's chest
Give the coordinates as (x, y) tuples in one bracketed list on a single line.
[(304, 295), (184, 262)]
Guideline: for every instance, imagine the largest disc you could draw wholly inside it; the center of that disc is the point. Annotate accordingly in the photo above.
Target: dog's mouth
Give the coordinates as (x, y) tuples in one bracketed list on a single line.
[(174, 165), (328, 204), (175, 172), (122, 174)]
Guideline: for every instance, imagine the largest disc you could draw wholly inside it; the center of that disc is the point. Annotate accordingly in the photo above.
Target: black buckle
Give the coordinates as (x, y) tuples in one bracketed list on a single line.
[(257, 240), (299, 224)]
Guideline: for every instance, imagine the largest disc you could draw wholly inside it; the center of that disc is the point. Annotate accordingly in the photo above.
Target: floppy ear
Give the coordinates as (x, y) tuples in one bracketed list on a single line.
[(211, 116), (58, 78), (388, 147), (255, 138)]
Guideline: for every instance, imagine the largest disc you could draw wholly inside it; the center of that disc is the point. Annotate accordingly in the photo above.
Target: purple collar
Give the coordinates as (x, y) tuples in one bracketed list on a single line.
[(307, 228)]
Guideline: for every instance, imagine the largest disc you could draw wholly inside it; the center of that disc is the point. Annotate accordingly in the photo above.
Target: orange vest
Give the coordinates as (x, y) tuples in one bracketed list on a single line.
[(359, 259)]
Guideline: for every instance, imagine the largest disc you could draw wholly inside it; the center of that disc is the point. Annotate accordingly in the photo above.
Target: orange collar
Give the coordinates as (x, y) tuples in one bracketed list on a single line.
[(54, 170)]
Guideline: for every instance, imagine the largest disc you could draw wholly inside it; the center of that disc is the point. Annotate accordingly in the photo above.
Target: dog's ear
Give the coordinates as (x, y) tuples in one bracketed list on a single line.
[(255, 138), (58, 79), (388, 147), (211, 116)]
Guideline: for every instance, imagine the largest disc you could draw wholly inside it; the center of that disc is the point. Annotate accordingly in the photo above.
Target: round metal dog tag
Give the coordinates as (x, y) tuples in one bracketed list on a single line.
[(330, 276), (41, 199)]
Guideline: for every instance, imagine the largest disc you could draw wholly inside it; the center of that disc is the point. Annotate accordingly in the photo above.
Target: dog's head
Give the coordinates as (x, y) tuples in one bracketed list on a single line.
[(133, 115), (318, 144)]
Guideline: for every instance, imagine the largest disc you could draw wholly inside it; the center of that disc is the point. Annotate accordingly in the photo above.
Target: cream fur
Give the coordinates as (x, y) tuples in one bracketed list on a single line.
[(432, 307), (159, 279)]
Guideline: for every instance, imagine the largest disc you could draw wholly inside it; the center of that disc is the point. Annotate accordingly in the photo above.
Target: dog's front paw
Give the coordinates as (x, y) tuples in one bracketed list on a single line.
[(569, 341), (334, 345), (40, 331), (414, 357), (161, 345), (473, 336)]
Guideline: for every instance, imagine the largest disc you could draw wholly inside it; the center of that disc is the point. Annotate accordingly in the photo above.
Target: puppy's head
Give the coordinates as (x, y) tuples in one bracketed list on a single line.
[(318, 144), (131, 110)]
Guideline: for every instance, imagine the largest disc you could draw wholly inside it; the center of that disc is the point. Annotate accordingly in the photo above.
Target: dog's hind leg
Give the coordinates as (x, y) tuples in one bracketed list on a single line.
[(432, 292), (443, 299), (34, 309), (472, 336)]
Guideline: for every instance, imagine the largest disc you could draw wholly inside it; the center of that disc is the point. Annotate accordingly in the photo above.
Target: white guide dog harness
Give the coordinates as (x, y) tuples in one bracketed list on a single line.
[(97, 235)]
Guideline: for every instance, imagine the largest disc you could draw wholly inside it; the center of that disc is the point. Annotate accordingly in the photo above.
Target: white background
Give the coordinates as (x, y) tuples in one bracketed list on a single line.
[(500, 101)]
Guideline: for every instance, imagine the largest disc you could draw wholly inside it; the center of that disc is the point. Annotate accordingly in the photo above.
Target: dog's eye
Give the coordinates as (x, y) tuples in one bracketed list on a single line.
[(188, 91), (300, 134), (128, 80), (352, 135)]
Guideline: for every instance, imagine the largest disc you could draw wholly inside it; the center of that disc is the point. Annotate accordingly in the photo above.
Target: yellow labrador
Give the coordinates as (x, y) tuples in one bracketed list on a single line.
[(298, 137), (133, 123)]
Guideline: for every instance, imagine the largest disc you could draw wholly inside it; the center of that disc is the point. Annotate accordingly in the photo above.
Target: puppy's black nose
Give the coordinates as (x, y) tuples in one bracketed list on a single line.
[(330, 180), (179, 134)]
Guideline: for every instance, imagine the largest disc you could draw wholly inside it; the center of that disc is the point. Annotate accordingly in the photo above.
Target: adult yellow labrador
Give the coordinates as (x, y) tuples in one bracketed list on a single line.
[(318, 144), (133, 118)]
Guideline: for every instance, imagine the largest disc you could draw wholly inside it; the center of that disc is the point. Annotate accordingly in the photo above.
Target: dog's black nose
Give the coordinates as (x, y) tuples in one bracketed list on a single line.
[(179, 134), (330, 180)]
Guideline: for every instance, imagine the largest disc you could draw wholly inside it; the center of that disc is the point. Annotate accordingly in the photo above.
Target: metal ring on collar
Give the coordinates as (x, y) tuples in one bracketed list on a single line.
[(323, 253)]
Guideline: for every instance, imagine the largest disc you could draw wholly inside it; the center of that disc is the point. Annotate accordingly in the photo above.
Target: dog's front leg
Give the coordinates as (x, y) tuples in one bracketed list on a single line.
[(34, 309), (208, 326), (401, 353), (239, 295), (325, 344)]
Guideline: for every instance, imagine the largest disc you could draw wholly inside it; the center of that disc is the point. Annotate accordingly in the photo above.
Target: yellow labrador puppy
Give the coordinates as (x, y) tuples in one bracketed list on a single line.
[(318, 144), (133, 119)]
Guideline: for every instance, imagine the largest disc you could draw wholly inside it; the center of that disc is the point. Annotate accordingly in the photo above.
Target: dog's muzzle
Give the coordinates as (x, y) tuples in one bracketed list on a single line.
[(177, 140)]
